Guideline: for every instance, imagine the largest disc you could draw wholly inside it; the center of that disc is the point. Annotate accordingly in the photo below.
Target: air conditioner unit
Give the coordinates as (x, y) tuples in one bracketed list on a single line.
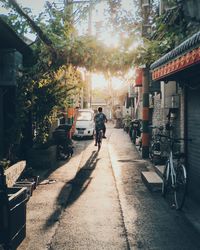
[(145, 3), (172, 101)]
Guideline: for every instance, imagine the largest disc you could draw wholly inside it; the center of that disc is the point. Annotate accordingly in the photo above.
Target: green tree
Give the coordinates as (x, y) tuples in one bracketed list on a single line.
[(58, 51)]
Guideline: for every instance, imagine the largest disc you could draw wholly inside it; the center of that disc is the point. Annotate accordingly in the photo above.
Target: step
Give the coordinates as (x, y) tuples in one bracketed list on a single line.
[(159, 169), (152, 180)]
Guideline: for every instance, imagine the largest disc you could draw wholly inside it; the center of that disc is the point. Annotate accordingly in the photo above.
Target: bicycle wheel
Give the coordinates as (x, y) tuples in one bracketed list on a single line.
[(165, 181), (151, 152), (180, 186), (99, 145), (167, 190), (99, 140), (134, 136)]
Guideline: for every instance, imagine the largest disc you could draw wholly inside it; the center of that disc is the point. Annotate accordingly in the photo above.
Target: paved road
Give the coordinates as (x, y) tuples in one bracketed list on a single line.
[(108, 207)]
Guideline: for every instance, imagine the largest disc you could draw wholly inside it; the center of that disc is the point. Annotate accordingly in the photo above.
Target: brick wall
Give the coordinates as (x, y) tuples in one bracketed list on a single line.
[(182, 112), (182, 118), (159, 114)]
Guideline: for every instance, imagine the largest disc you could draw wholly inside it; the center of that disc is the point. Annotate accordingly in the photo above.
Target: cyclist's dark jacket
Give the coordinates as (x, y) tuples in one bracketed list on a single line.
[(100, 120)]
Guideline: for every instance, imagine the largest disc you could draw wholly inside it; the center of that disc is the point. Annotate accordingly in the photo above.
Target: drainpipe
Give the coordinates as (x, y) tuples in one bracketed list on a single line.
[(145, 114), (186, 126)]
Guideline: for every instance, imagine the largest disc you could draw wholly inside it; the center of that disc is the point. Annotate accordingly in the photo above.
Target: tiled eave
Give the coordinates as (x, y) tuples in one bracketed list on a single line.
[(180, 58), (10, 40)]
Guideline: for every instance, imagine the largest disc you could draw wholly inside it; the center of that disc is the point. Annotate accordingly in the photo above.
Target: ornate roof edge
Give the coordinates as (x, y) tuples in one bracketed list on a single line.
[(184, 47)]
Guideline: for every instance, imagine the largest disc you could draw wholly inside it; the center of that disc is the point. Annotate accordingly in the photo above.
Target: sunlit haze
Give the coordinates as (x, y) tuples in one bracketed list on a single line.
[(99, 29), (109, 37), (99, 81), (35, 6)]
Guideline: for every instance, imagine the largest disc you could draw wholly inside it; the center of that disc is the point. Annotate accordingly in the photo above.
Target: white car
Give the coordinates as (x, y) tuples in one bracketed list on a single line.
[(85, 123)]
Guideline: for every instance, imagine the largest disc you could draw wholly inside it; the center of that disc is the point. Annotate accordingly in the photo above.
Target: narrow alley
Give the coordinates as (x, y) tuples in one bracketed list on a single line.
[(105, 206), (73, 71)]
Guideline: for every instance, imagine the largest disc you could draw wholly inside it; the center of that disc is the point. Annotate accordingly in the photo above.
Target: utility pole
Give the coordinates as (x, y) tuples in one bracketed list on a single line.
[(145, 6), (90, 33), (145, 114)]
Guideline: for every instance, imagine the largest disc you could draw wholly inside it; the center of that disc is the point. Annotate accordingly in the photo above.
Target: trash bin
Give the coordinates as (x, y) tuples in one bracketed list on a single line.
[(13, 228)]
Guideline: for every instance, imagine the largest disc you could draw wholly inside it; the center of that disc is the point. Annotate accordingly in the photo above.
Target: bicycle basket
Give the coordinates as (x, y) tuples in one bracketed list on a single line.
[(168, 126), (156, 146)]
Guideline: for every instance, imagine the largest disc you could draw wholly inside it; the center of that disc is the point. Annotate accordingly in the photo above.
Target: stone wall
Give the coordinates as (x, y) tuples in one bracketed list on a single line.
[(182, 116), (161, 109), (13, 172), (37, 159), (157, 118)]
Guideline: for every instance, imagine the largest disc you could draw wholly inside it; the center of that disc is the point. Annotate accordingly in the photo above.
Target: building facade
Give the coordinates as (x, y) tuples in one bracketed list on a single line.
[(181, 67), (13, 54)]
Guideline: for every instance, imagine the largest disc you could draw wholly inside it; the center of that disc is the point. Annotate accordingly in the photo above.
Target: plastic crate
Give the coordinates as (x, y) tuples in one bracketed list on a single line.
[(30, 185)]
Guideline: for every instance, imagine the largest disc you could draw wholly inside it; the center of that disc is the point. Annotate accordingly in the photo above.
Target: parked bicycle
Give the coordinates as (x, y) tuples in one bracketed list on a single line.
[(64, 144), (175, 176), (157, 153), (126, 123), (135, 130)]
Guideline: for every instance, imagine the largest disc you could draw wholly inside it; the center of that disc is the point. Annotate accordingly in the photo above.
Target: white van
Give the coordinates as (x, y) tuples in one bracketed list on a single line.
[(85, 123)]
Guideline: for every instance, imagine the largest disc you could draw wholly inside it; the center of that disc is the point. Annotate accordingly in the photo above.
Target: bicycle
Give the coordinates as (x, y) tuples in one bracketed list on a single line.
[(156, 153), (135, 130), (174, 176), (99, 138), (63, 142)]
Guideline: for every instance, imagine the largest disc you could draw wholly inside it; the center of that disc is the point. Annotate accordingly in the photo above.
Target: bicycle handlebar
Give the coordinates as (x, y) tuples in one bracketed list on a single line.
[(156, 127), (175, 139)]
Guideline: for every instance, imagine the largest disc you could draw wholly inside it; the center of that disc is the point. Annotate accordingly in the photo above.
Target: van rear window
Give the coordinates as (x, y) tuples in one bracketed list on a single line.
[(84, 116)]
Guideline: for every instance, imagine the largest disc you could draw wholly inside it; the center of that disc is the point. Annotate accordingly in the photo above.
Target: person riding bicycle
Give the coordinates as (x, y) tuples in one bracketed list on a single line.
[(100, 119)]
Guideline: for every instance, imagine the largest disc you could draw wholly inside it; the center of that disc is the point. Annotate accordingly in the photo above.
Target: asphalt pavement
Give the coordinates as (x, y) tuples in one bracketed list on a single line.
[(98, 201)]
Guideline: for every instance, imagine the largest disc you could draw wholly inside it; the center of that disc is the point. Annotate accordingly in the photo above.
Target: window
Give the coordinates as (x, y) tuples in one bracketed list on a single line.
[(84, 116)]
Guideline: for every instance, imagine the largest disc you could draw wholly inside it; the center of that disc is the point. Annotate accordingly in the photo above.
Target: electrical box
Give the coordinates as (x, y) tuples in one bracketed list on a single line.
[(172, 101)]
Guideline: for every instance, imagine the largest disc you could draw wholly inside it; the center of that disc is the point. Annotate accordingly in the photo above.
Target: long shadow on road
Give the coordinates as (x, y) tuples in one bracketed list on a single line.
[(83, 178), (79, 185)]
